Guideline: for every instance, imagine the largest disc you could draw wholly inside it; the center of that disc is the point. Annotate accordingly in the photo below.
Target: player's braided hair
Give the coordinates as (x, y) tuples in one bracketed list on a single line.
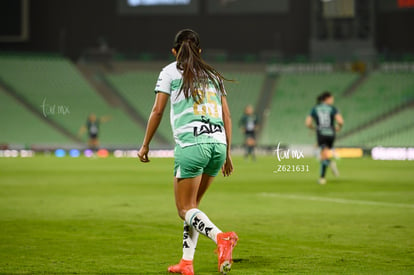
[(197, 74)]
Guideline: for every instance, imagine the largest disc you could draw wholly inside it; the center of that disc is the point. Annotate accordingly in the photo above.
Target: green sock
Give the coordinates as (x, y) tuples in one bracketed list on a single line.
[(324, 165)]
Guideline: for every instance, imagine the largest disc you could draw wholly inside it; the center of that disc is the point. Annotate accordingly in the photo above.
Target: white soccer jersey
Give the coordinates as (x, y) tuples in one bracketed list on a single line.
[(192, 123)]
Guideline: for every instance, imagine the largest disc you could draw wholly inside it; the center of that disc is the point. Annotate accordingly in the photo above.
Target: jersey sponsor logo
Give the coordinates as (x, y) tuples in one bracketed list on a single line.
[(207, 127)]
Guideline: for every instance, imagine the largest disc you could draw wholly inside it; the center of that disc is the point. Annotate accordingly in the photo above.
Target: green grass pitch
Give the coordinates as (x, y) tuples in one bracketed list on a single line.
[(117, 216)]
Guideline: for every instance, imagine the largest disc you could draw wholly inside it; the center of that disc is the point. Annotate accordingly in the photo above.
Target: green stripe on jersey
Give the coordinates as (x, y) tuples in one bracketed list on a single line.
[(176, 84)]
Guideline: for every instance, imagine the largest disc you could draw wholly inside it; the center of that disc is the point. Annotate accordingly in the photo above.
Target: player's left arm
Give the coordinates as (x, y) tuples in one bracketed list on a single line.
[(256, 124), (227, 168), (339, 122)]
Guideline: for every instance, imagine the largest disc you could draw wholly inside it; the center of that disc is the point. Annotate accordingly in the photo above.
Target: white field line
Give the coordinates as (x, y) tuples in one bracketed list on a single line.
[(335, 200)]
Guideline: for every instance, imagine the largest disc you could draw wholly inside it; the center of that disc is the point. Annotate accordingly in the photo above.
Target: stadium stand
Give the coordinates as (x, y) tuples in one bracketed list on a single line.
[(402, 138), (54, 86), (20, 126), (137, 87), (380, 93), (294, 96), (393, 131), (244, 90)]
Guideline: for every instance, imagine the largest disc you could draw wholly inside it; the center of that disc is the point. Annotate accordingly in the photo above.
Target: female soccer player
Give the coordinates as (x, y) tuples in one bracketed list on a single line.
[(201, 123), (325, 115), (249, 124), (92, 126)]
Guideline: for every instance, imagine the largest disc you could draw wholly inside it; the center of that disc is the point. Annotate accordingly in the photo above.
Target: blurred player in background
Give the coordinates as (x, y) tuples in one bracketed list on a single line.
[(328, 121), (249, 124), (334, 156), (201, 123), (92, 127)]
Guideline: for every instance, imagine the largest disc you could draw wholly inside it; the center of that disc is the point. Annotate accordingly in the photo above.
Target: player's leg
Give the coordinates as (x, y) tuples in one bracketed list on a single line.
[(186, 190), (253, 147), (93, 143), (332, 163), (327, 156), (324, 161), (186, 198), (186, 201), (190, 235), (189, 187), (190, 238), (251, 143), (323, 156), (188, 193), (246, 146), (226, 241), (205, 183), (333, 166)]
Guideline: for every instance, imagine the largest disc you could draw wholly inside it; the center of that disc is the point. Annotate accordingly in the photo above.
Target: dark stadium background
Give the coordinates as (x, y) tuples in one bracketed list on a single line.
[(84, 22), (115, 49), (69, 27), (67, 209)]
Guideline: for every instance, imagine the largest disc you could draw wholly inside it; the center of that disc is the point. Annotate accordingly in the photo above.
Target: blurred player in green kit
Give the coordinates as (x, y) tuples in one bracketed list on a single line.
[(328, 121)]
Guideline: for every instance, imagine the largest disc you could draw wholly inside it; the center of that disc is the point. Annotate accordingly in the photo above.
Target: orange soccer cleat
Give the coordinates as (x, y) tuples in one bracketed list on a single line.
[(225, 244), (183, 267)]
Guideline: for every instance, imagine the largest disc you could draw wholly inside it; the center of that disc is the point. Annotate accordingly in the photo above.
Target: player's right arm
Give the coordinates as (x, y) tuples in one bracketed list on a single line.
[(309, 122), (228, 165), (309, 119), (154, 120), (82, 131)]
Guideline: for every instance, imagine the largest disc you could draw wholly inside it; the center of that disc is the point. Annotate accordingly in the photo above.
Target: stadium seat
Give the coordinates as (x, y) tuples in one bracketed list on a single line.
[(380, 93), (54, 82), (21, 127), (293, 99), (391, 131), (137, 87)]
